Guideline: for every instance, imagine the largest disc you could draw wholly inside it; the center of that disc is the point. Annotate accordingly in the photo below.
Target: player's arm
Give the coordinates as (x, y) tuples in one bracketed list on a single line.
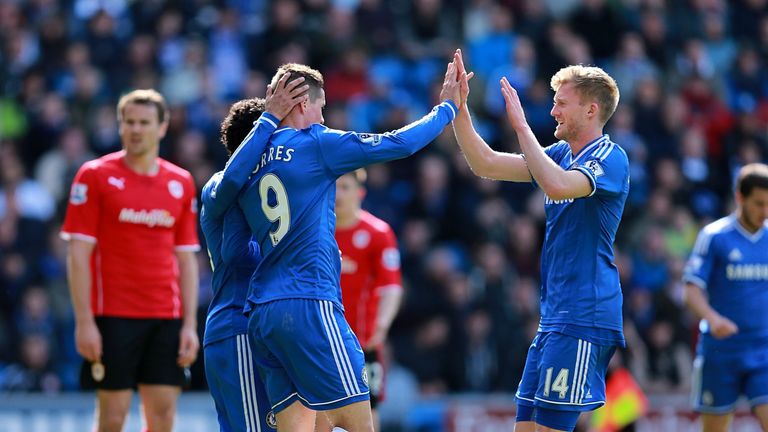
[(188, 283), (87, 336), (390, 299), (557, 183), (244, 160), (388, 282), (346, 151), (720, 326), (482, 159)]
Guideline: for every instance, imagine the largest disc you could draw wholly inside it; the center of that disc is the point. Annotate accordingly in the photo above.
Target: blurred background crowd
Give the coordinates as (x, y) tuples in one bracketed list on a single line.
[(694, 108)]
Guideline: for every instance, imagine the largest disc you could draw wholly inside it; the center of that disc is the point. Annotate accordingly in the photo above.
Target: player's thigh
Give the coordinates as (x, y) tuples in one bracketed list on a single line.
[(716, 422), (571, 373), (112, 407), (761, 412), (716, 384), (526, 391), (235, 385), (352, 417), (159, 405), (311, 344), (755, 376), (123, 342), (550, 420), (158, 363), (295, 418)]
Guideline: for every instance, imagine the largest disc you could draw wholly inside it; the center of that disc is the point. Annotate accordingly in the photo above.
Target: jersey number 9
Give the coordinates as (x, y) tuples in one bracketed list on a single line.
[(280, 212)]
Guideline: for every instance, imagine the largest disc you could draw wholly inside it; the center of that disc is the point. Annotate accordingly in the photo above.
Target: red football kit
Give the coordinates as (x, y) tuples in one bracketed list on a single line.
[(137, 223), (370, 263)]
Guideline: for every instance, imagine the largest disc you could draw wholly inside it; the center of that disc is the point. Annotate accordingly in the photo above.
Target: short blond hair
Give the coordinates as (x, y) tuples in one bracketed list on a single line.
[(144, 97), (591, 83)]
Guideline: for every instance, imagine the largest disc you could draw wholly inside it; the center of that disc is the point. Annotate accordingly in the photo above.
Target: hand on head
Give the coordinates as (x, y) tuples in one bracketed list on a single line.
[(281, 100)]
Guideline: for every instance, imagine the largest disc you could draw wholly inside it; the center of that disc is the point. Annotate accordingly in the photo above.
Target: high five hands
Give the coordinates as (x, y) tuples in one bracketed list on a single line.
[(456, 83)]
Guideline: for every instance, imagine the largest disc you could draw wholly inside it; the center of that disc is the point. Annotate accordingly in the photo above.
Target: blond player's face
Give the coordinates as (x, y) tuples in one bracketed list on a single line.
[(569, 112), (348, 194), (140, 129)]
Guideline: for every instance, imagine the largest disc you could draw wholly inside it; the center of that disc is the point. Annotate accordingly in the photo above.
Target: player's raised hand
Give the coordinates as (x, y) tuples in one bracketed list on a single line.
[(88, 341), (721, 326), (464, 78), (189, 344), (515, 113), (281, 99), (450, 88)]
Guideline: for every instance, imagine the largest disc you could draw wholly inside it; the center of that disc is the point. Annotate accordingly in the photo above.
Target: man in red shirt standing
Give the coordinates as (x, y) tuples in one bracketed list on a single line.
[(370, 276), (132, 232)]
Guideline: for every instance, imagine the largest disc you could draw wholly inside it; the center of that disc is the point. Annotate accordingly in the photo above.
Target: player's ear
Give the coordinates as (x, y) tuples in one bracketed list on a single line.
[(361, 193)]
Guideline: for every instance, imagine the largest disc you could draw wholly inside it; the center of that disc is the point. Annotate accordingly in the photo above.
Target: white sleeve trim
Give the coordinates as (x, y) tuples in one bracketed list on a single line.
[(77, 236), (696, 281), (187, 248)]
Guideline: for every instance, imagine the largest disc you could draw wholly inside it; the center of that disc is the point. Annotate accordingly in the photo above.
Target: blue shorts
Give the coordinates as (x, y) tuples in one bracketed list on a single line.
[(563, 373), (239, 394), (306, 351), (719, 379)]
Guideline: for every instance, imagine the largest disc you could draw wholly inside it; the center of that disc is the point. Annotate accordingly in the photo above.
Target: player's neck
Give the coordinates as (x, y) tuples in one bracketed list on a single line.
[(348, 220), (745, 223), (584, 138), (144, 164), (294, 120)]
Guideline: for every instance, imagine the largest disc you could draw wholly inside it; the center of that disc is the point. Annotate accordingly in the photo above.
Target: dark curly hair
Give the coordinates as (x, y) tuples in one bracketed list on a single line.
[(239, 122)]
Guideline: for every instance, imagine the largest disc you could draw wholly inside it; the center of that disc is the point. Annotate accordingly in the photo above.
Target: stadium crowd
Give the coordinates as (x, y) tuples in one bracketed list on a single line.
[(693, 110)]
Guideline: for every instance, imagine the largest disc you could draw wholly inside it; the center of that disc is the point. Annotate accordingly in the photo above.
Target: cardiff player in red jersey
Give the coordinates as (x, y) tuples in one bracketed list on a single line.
[(370, 276), (131, 224)]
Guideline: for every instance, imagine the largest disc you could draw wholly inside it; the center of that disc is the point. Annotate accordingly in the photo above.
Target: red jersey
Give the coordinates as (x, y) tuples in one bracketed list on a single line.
[(137, 223), (370, 263)]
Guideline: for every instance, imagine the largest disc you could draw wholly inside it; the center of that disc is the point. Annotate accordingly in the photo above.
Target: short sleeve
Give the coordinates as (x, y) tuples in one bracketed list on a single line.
[(607, 169), (83, 208), (698, 269), (186, 228)]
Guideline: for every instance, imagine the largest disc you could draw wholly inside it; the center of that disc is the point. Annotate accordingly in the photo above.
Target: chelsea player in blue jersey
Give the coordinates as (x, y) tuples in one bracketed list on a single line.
[(308, 356), (237, 391), (730, 263), (585, 178)]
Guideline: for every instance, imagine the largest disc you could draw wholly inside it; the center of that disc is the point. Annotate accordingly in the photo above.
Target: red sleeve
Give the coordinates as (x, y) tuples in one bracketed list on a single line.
[(82, 219), (186, 229), (387, 267)]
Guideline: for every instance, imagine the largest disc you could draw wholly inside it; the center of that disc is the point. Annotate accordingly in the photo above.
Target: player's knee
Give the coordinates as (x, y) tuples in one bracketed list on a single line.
[(110, 421)]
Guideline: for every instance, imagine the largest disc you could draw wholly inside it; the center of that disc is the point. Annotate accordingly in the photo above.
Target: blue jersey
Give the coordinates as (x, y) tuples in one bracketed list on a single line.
[(289, 201), (233, 255), (580, 289), (731, 264)]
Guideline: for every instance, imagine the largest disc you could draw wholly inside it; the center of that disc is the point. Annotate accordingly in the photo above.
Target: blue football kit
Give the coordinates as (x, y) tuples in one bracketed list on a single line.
[(239, 394), (581, 299), (731, 265), (304, 347)]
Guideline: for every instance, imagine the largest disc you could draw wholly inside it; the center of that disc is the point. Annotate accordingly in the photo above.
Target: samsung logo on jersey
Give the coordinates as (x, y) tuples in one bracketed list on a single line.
[(548, 201), (152, 218), (747, 272), (279, 153)]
